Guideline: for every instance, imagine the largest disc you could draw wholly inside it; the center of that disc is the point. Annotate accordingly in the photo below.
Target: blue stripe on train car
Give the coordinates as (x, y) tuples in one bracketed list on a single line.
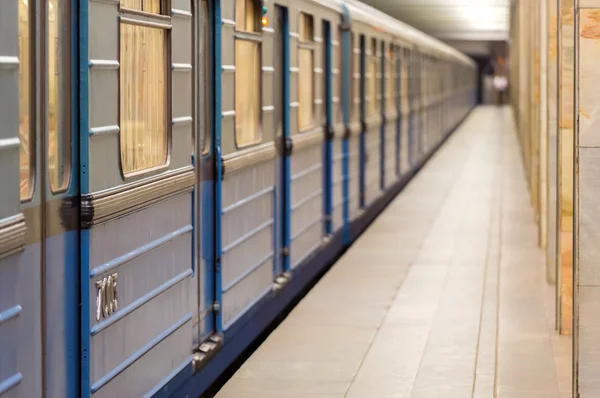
[(62, 306), (84, 235), (287, 194), (84, 256), (278, 240), (72, 244), (216, 108), (328, 143), (281, 262), (363, 132), (347, 80)]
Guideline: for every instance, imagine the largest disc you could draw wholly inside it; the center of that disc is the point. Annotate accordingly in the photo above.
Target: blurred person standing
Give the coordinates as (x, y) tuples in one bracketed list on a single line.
[(500, 84)]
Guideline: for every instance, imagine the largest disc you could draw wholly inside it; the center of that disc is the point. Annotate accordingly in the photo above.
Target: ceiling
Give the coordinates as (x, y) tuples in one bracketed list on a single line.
[(452, 20)]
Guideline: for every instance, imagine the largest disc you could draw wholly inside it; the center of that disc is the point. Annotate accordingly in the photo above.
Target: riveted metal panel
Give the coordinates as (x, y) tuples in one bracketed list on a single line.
[(373, 164), (151, 251), (306, 202), (337, 188), (390, 153), (247, 237), (143, 376), (103, 109), (20, 326), (353, 175)]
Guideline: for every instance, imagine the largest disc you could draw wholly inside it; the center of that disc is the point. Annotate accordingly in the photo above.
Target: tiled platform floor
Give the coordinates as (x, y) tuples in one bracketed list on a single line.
[(443, 297)]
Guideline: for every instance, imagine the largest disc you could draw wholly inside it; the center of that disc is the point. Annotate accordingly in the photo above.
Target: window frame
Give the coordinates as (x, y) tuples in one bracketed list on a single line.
[(390, 77), (163, 21), (339, 51), (164, 10), (372, 107), (254, 36), (67, 101), (311, 46)]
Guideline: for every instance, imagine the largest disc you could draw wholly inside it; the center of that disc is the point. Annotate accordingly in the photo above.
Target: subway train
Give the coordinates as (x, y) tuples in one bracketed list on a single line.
[(175, 173)]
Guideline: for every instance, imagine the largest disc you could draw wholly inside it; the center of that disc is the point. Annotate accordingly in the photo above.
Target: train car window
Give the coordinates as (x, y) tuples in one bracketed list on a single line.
[(306, 90), (59, 153), (143, 92), (372, 79), (246, 16), (390, 78), (149, 6), (27, 150), (247, 75), (306, 28)]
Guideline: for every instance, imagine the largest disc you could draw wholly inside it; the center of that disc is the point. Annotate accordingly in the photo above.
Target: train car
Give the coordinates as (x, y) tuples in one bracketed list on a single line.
[(176, 172)]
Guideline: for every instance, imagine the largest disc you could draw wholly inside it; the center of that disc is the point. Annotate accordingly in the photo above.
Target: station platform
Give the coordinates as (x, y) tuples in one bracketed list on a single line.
[(443, 296)]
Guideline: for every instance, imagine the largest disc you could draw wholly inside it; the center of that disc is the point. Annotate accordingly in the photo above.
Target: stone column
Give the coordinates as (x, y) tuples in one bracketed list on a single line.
[(565, 169), (587, 204)]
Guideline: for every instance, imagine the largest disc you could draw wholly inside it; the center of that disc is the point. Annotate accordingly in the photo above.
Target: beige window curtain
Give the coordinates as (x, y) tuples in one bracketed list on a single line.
[(306, 83), (143, 94), (26, 149), (390, 79), (372, 86), (354, 81), (151, 6), (58, 132), (247, 76), (247, 92), (305, 89)]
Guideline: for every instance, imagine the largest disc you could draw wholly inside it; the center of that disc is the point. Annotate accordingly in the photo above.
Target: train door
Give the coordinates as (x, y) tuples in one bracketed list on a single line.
[(390, 116), (347, 96), (328, 149), (420, 106), (38, 201), (338, 162), (205, 175), (247, 162), (363, 110), (352, 142), (306, 136)]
